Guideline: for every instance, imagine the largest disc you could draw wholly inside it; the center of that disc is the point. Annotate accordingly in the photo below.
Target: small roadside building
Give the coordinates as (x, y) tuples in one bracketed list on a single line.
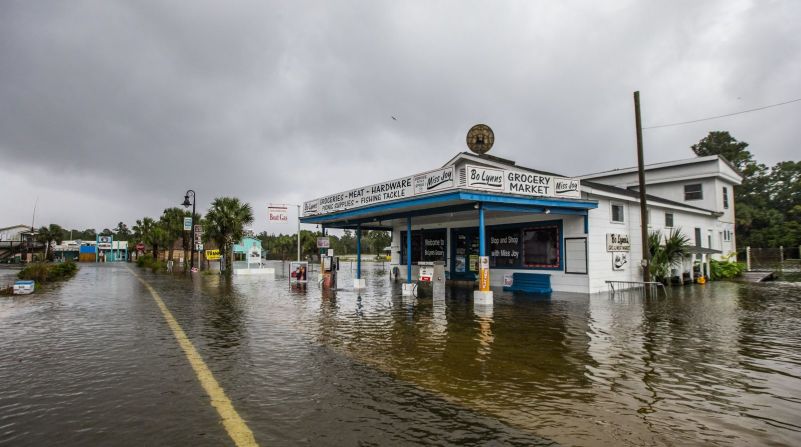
[(576, 233)]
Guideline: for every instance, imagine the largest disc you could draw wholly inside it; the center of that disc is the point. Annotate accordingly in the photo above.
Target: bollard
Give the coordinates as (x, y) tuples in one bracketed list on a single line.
[(748, 258)]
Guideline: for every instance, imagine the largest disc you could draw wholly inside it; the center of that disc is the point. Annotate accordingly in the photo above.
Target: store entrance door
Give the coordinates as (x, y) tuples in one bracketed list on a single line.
[(464, 243)]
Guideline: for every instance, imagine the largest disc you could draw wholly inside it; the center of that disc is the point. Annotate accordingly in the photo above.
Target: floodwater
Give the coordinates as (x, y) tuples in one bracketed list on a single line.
[(93, 362)]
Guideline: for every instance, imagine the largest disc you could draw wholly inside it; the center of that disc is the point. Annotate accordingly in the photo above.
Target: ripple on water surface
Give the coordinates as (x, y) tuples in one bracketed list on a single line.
[(93, 361)]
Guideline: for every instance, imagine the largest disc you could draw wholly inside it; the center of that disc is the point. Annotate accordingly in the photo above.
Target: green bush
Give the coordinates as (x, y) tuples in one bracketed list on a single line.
[(725, 269), (157, 266), (42, 272), (147, 261)]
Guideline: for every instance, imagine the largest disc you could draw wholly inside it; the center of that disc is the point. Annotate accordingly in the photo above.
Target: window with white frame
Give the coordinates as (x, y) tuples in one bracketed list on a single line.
[(693, 192), (617, 213), (668, 220)]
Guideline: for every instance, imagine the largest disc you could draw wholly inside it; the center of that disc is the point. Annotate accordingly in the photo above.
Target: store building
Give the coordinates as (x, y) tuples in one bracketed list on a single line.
[(575, 234), (103, 249)]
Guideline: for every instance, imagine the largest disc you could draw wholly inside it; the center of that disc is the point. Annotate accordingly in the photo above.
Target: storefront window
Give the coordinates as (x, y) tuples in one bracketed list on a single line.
[(504, 247), (427, 245), (541, 247)]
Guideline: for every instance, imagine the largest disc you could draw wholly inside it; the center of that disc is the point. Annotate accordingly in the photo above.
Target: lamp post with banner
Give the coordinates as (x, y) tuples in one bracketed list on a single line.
[(186, 205)]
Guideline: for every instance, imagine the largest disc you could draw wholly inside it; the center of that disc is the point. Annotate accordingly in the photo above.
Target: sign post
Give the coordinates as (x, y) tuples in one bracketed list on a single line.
[(277, 213), (198, 240)]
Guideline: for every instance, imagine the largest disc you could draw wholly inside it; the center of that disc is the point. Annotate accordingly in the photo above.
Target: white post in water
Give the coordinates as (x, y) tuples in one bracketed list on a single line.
[(748, 258), (298, 233)]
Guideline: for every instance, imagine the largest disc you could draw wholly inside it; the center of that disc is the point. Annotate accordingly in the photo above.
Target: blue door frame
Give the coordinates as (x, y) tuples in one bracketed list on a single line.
[(472, 236)]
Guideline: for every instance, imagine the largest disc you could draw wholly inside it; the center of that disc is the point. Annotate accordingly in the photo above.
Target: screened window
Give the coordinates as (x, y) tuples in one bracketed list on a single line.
[(693, 192), (668, 220), (541, 247), (697, 237), (617, 213), (725, 197)]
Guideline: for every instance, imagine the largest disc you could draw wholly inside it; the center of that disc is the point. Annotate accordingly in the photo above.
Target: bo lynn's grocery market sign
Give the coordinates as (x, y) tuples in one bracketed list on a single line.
[(476, 177)]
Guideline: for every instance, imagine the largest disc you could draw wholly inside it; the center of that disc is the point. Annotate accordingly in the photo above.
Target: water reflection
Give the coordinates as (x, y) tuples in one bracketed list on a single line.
[(708, 365)]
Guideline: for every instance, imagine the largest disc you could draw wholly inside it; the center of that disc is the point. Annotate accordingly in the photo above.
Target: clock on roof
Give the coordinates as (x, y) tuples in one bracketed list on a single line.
[(480, 138)]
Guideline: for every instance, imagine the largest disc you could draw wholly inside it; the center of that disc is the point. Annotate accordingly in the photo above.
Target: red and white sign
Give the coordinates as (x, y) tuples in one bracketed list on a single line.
[(277, 214)]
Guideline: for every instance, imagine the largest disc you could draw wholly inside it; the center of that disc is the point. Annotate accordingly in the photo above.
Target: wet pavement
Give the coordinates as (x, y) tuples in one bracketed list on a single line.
[(93, 362)]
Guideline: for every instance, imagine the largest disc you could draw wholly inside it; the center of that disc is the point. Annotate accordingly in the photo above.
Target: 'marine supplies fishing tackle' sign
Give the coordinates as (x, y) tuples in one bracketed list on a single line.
[(482, 178)]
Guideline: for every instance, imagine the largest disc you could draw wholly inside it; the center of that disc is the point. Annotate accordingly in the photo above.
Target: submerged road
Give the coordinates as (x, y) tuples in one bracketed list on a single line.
[(94, 362), (121, 356)]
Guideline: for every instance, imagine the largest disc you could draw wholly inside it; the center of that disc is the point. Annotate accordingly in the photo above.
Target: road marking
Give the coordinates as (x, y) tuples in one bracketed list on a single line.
[(235, 426)]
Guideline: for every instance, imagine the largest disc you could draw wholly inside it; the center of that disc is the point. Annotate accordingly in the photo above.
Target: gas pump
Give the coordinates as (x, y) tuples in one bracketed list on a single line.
[(329, 266), (431, 279)]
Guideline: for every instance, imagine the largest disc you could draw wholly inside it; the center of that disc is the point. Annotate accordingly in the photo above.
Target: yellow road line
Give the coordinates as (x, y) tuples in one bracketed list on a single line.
[(235, 426)]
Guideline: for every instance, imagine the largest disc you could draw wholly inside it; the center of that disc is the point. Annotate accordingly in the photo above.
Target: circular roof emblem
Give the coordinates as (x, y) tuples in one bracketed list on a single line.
[(480, 138)]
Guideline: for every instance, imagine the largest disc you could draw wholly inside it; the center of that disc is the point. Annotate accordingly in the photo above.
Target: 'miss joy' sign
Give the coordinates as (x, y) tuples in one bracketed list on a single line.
[(434, 181)]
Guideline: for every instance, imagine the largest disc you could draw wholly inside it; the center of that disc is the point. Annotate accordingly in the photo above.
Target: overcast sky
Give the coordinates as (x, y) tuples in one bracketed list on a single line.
[(110, 111)]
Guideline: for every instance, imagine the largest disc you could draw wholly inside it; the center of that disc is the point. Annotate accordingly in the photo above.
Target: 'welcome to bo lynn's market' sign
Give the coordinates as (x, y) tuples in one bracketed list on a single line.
[(476, 177)]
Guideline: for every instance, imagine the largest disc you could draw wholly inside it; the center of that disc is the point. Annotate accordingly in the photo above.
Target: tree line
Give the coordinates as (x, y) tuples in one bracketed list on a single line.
[(767, 205), (224, 225), (285, 246)]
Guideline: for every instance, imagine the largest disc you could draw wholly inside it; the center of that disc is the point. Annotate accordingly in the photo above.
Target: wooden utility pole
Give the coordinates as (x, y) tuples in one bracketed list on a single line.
[(646, 252)]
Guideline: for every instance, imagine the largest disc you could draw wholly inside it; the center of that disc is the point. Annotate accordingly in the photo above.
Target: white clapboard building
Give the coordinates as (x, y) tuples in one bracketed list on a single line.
[(565, 234)]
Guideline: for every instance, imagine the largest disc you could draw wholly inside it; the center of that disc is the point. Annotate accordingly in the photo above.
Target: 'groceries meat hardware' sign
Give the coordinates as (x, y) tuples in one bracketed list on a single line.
[(476, 177)]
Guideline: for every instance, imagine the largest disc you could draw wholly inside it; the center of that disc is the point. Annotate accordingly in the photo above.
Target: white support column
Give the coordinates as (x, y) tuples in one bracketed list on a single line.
[(692, 267)]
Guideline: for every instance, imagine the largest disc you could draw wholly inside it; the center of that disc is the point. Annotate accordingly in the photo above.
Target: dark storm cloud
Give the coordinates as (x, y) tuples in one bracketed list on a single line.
[(112, 102)]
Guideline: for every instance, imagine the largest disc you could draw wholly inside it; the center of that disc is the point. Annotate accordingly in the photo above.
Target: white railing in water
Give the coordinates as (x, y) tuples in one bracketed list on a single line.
[(652, 287)]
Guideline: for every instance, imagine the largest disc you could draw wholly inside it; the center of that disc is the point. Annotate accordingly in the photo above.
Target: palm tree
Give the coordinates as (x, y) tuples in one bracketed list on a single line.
[(667, 255), (225, 224), (121, 233), (48, 235), (143, 230), (173, 222)]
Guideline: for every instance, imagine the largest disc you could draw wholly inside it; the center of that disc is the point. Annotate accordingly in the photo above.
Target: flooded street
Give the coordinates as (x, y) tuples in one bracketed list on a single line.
[(93, 362)]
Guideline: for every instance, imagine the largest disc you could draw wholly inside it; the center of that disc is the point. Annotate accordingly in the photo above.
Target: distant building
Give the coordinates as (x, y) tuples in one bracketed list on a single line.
[(15, 233)]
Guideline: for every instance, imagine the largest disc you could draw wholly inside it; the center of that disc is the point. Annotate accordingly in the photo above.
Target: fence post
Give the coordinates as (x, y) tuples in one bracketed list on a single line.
[(748, 258), (781, 258)]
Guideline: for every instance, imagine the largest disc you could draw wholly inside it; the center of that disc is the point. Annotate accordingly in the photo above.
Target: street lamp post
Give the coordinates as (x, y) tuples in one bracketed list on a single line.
[(186, 204)]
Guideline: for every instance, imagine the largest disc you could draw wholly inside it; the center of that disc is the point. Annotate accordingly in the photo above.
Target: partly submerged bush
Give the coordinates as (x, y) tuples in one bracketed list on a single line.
[(725, 269), (147, 261), (42, 272)]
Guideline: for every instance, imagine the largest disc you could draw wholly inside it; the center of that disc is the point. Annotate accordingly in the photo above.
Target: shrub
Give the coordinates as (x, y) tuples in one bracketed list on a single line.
[(145, 261), (725, 269), (44, 272)]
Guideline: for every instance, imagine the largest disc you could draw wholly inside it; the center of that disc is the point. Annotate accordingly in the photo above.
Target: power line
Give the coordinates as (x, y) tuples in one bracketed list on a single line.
[(723, 116)]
